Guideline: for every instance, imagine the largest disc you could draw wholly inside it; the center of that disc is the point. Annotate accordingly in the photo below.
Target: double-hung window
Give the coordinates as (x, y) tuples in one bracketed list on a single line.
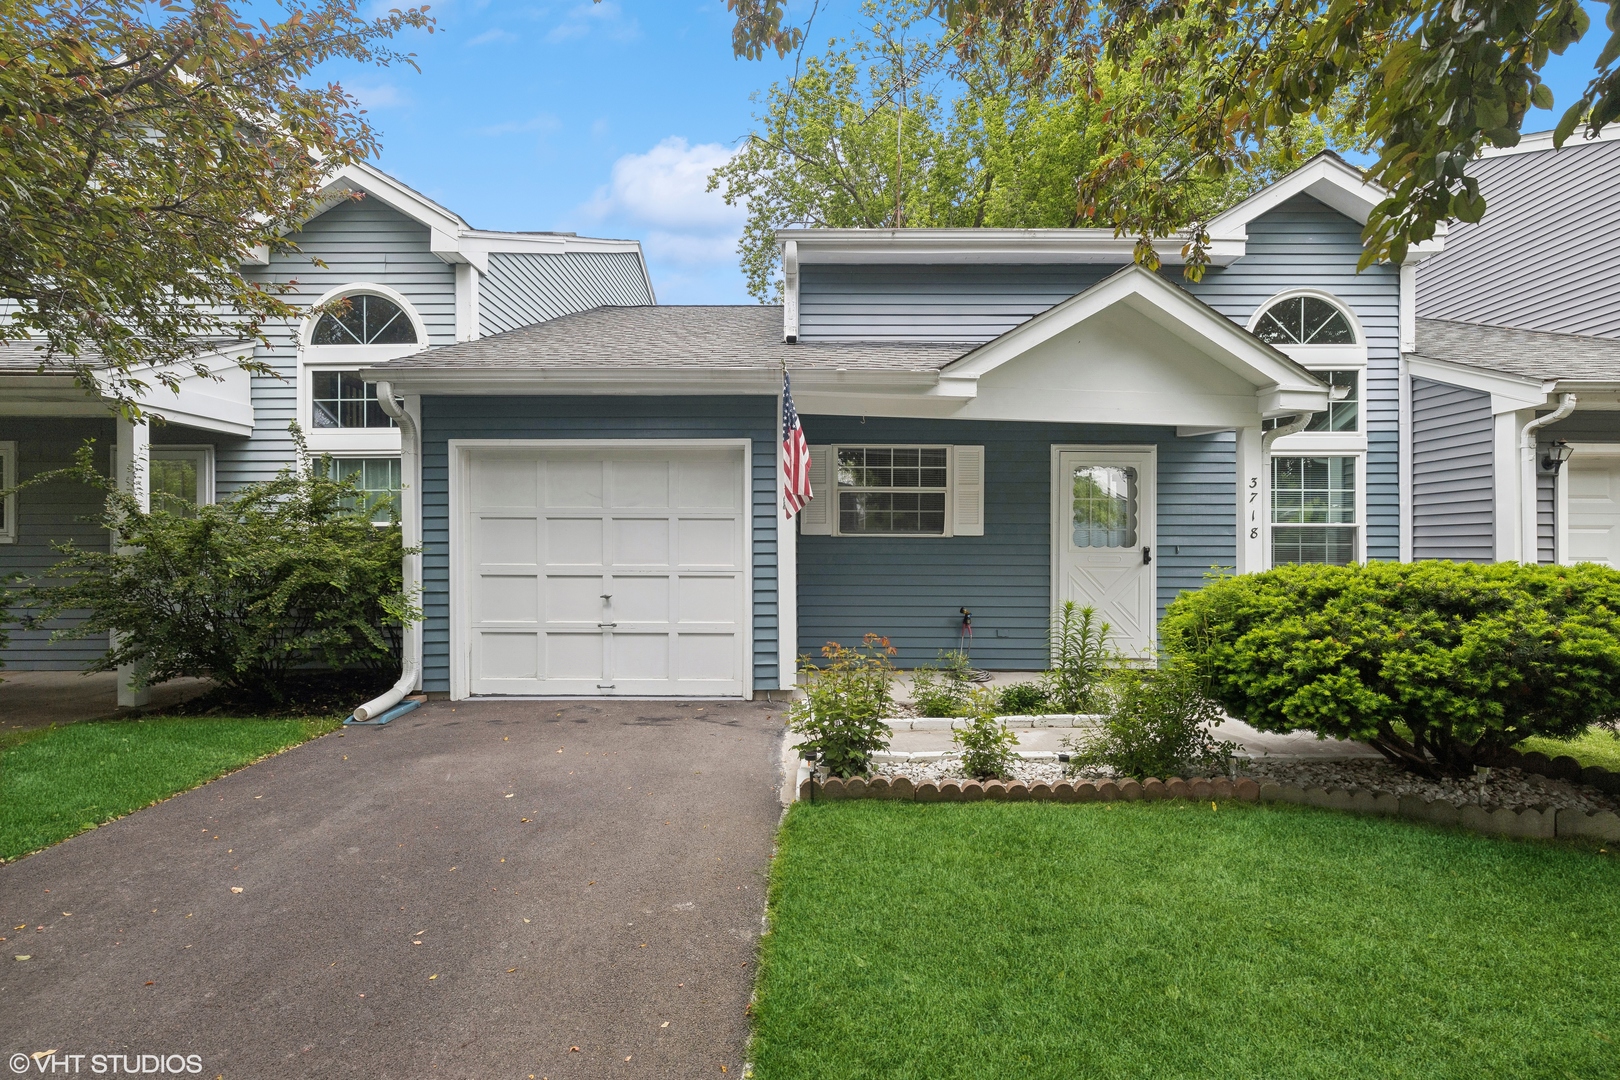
[(892, 490), (1318, 475), (378, 480), (8, 503)]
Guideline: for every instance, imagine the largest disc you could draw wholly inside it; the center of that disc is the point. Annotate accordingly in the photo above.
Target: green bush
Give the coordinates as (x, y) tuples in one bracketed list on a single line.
[(942, 688), (1080, 658), (986, 743), (845, 702), (1156, 722), (1439, 665), (283, 575), (1024, 699)]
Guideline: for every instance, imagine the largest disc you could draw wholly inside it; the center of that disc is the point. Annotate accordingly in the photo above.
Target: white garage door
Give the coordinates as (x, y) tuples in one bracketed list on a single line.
[(602, 572), (1594, 509)]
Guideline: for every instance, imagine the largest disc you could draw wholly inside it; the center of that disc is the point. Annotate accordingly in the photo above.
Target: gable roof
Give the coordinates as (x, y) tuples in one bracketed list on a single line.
[(1544, 257), (1170, 308), (1527, 353)]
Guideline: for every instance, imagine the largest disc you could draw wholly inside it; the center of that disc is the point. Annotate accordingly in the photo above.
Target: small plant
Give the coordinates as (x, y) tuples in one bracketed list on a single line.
[(1080, 658), (986, 743), (1156, 723), (845, 701), (1024, 699), (942, 688)]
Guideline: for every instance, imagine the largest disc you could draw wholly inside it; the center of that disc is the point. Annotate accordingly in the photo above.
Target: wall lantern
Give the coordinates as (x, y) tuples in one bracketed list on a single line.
[(1554, 455)]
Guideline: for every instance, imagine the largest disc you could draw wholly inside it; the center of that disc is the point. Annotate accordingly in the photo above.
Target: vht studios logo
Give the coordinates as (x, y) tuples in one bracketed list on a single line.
[(52, 1062)]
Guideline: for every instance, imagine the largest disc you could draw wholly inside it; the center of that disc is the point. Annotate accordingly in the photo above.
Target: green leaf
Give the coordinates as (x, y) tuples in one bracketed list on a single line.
[(1567, 122), (1541, 96)]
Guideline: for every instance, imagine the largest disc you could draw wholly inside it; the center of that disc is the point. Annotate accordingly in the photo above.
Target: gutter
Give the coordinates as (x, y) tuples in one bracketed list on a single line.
[(1527, 476), (411, 528)]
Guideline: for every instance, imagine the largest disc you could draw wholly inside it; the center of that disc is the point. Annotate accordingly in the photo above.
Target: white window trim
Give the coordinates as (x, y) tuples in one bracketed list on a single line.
[(1318, 356), (950, 487), (1318, 450), (204, 452), (8, 480), (353, 442)]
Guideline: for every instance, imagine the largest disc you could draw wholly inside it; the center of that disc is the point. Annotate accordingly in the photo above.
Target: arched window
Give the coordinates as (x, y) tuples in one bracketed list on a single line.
[(365, 319), (1304, 320)]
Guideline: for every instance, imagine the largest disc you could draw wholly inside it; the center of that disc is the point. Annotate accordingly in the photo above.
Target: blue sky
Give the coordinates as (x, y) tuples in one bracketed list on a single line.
[(606, 119)]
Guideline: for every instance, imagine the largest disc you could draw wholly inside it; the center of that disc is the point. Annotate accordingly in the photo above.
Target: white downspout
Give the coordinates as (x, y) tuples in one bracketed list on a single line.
[(1527, 476), (411, 534)]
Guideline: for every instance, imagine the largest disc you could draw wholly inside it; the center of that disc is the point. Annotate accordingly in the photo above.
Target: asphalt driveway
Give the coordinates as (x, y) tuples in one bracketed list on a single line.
[(485, 889)]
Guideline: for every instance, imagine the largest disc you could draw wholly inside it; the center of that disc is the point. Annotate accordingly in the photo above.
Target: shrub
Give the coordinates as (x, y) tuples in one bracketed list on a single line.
[(942, 688), (986, 743), (1156, 723), (845, 702), (1080, 658), (1439, 665), (285, 574), (1024, 699)]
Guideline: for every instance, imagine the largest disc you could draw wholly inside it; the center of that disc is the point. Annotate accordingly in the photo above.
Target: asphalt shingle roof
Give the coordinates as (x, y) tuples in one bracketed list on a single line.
[(743, 337), (1534, 354)]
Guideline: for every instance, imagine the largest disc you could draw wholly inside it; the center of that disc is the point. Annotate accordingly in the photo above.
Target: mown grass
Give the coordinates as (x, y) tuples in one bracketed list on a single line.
[(1168, 940), (57, 782), (1595, 747)]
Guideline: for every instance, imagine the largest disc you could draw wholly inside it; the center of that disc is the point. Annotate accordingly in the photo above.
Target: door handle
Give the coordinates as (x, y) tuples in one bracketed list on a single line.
[(607, 596), (605, 625), (1147, 555)]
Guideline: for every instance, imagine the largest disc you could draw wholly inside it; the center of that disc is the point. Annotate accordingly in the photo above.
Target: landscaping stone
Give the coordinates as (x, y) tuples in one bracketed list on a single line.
[(1108, 791), (1202, 789), (995, 791), (1223, 788), (1130, 791), (1178, 788), (877, 788), (1041, 793), (1247, 790), (1507, 785), (855, 788), (1064, 792), (1153, 789), (1086, 792), (950, 792), (901, 788), (1596, 825), (1018, 793), (926, 792), (972, 791)]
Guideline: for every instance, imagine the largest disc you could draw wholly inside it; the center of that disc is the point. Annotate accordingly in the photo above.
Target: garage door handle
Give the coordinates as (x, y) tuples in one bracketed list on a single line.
[(607, 596), (605, 625)]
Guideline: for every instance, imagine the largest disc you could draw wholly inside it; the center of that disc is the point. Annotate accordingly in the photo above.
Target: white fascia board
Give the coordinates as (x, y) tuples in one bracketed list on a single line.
[(902, 247), (413, 204), (1170, 308), (1543, 140), (515, 380), (1509, 393)]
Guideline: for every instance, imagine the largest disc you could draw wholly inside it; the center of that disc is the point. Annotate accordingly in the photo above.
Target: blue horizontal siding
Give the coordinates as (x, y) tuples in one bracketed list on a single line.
[(54, 513), (909, 589), (456, 417)]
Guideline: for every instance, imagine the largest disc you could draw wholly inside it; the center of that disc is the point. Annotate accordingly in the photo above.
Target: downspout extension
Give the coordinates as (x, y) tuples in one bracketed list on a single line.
[(411, 529), (1527, 476), (1299, 423)]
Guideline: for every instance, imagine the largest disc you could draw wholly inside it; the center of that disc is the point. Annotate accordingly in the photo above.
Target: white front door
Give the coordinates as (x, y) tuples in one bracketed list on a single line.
[(1593, 530), (605, 572), (1102, 519)]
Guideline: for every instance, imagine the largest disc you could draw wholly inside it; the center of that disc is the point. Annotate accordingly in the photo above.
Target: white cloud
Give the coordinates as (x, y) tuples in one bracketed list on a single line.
[(493, 36), (688, 232), (378, 95), (606, 17)]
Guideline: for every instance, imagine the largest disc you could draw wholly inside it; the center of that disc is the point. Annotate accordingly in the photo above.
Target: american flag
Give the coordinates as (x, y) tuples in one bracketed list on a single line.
[(795, 455)]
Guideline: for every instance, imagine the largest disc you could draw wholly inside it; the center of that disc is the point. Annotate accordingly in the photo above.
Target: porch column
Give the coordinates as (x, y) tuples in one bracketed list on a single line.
[(1253, 498), (132, 470)]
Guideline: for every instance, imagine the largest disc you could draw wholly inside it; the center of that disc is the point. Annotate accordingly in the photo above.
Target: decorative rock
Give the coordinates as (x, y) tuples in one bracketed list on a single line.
[(1041, 793), (1537, 762), (950, 791), (1224, 788), (972, 791), (1064, 792), (1248, 790), (1108, 791), (1566, 768), (901, 787), (1177, 788), (877, 787), (1202, 789), (996, 791), (1017, 793), (855, 788), (1130, 791), (1153, 789), (927, 791), (1086, 792)]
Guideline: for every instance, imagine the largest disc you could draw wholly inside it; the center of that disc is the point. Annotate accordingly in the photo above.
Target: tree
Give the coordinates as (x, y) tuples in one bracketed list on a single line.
[(1431, 81), (892, 127), (148, 149)]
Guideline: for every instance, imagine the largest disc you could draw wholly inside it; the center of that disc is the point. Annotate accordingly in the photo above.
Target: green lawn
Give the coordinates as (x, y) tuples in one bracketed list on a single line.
[(1167, 940), (59, 781), (1596, 747)]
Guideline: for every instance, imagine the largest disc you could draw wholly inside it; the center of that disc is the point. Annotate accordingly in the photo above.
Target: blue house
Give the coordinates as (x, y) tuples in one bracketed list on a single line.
[(417, 277), (1001, 420)]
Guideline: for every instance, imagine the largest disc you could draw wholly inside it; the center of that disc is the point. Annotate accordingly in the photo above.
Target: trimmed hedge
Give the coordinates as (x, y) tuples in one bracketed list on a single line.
[(1439, 665)]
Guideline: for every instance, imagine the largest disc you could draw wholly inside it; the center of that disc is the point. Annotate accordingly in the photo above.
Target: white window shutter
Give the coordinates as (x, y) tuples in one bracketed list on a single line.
[(816, 517), (967, 491)]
